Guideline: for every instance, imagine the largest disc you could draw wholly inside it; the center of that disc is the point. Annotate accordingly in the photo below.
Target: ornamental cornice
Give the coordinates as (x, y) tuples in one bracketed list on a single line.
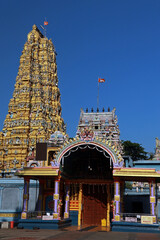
[(106, 146)]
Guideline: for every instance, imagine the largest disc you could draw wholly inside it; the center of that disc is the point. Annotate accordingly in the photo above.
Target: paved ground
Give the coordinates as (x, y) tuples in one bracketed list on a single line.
[(72, 234)]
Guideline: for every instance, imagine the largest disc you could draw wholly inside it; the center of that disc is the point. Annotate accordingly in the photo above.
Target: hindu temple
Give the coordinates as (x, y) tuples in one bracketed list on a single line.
[(60, 181)]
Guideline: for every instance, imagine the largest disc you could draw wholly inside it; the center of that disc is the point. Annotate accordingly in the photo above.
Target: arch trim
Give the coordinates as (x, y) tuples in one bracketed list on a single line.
[(116, 157)]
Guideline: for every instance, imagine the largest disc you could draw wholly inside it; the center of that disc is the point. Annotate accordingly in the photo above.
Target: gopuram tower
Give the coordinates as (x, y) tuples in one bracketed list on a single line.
[(34, 112)]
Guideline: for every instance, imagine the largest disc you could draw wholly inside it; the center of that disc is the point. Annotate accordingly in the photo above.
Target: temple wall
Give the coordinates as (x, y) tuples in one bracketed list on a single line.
[(147, 164), (11, 198)]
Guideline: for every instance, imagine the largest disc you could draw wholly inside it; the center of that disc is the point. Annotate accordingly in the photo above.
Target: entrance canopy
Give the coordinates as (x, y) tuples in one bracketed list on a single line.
[(88, 160)]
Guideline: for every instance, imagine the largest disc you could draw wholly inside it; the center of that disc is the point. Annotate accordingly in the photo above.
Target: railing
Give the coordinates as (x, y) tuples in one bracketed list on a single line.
[(133, 217), (40, 215)]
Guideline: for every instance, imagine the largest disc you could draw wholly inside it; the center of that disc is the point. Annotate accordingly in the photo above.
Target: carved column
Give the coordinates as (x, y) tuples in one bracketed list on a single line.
[(56, 213), (80, 205), (108, 205), (25, 198), (66, 211), (117, 200), (152, 200)]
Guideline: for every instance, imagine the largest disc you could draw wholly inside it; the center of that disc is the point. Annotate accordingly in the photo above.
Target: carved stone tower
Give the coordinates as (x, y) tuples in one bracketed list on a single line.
[(103, 125), (34, 112)]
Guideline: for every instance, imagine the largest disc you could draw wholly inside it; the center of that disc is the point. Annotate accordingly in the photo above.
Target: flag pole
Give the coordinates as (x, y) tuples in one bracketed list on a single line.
[(45, 28), (45, 32), (100, 80), (98, 95)]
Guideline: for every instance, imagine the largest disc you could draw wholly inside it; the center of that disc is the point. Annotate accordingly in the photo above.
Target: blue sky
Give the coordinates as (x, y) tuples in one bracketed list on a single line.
[(118, 40)]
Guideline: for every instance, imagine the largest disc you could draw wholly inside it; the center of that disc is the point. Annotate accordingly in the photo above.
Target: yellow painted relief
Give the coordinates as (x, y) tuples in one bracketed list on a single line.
[(34, 112)]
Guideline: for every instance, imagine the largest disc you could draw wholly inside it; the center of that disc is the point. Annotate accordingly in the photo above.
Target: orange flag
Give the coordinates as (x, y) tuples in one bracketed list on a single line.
[(101, 80), (45, 23)]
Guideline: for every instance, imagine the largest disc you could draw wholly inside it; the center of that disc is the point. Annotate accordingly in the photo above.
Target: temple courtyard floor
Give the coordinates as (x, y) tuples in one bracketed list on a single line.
[(73, 233)]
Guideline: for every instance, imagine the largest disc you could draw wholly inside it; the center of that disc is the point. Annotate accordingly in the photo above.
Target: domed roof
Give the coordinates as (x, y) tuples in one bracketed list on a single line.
[(57, 134), (57, 137)]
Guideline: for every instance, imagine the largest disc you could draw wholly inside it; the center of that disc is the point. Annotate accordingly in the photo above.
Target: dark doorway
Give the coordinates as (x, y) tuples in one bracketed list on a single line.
[(87, 162), (137, 207)]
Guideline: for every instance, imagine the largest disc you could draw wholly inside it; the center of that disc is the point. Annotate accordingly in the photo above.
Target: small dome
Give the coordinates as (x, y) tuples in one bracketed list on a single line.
[(57, 135)]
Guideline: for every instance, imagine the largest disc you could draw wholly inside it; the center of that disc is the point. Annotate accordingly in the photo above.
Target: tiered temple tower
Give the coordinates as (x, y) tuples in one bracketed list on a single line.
[(100, 124), (34, 112)]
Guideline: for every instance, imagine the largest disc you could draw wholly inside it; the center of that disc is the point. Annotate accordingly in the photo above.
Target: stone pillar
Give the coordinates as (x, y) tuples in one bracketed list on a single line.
[(80, 205), (117, 200), (56, 213), (108, 205), (152, 200), (66, 211), (25, 198)]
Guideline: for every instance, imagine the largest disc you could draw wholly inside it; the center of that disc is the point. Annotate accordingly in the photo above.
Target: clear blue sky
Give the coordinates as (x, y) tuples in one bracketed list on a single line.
[(118, 40)]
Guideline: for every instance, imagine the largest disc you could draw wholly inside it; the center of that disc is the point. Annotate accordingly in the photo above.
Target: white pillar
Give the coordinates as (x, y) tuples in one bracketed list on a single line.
[(25, 198), (66, 211), (56, 214)]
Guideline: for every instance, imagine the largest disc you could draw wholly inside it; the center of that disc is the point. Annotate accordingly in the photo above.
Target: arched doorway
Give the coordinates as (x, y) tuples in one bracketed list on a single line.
[(87, 162), (90, 166)]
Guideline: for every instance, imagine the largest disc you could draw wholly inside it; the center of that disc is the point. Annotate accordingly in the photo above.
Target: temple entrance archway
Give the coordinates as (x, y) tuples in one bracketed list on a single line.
[(91, 167), (87, 162)]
